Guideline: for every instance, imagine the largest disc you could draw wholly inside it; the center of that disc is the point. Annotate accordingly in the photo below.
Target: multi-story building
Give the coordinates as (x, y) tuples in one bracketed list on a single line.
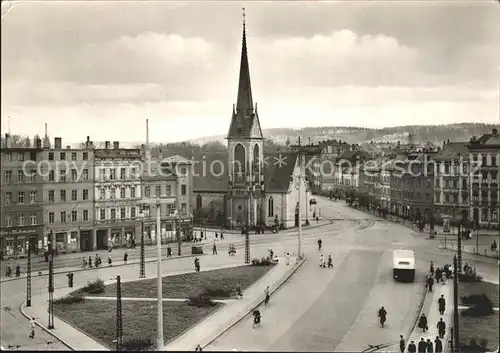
[(170, 181), (21, 200), (346, 172), (312, 155), (484, 196), (68, 197), (117, 195)]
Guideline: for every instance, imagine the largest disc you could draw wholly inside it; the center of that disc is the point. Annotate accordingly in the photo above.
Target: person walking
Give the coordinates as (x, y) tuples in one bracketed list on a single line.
[(125, 257), (221, 236), (239, 293), (412, 348), (422, 346), (110, 261), (18, 270), (214, 249), (266, 300), (90, 261), (402, 344), (96, 260), (443, 277), (32, 328), (216, 236), (432, 268), (330, 264), (8, 270), (322, 261), (430, 346), (422, 323), (441, 326), (430, 283), (438, 345), (442, 305)]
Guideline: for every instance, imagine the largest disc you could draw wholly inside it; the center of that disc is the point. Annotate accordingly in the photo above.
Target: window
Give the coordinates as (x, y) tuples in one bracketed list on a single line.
[(33, 197), (447, 198), (20, 176), (199, 202), (63, 217), (51, 175), (74, 216), (122, 173), (102, 174), (455, 184), (8, 157), (455, 198), (113, 193), (51, 195), (102, 214), (85, 174), (485, 161), (464, 183), (62, 195), (183, 208), (20, 220), (169, 190), (437, 197), (20, 197), (183, 171), (62, 175), (30, 176), (132, 212), (113, 213), (122, 212), (122, 193), (85, 156), (51, 217), (102, 194), (8, 198), (183, 190), (51, 156), (494, 160), (146, 191), (418, 183), (465, 196), (112, 174), (493, 176), (418, 196), (74, 176), (270, 207), (8, 176), (427, 197), (85, 195), (33, 218), (158, 191), (73, 156), (447, 169), (74, 195), (85, 215), (20, 157), (62, 156), (132, 191), (8, 221)]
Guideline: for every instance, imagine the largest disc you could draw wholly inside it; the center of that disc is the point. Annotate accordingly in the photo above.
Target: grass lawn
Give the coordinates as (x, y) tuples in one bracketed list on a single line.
[(485, 327), (189, 284), (98, 319), (490, 289)]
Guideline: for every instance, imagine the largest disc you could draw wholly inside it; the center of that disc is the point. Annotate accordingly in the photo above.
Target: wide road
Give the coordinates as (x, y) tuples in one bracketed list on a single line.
[(336, 309)]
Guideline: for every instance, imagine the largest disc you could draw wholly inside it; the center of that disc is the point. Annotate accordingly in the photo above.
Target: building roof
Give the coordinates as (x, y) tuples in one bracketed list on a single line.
[(491, 140), (118, 153), (277, 175), (452, 151)]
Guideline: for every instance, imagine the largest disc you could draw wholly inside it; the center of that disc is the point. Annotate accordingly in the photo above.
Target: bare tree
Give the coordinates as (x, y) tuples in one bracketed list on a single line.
[(27, 142)]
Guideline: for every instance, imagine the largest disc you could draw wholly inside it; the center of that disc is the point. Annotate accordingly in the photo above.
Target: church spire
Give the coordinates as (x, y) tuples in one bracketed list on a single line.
[(244, 103)]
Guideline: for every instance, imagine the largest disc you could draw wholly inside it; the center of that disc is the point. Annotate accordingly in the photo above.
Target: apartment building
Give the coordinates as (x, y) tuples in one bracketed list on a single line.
[(170, 181), (21, 200), (117, 190), (68, 197), (347, 171), (484, 191)]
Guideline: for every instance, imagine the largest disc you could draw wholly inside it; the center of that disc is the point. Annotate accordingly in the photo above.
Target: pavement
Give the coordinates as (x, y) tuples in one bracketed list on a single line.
[(484, 250)]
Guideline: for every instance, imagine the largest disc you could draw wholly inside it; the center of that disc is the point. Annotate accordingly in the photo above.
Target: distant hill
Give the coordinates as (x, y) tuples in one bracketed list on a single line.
[(418, 133)]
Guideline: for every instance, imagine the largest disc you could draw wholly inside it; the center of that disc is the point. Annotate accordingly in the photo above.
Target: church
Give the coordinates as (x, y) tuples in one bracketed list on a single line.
[(246, 185)]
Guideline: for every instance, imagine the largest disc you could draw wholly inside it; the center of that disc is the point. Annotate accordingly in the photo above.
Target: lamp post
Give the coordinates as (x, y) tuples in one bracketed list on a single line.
[(142, 270), (159, 278), (456, 334), (28, 277), (298, 186), (119, 321)]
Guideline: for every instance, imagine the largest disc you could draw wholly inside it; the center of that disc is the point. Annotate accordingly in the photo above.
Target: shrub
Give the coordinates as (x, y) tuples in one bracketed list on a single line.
[(216, 292), (137, 344), (95, 287), (200, 301), (469, 278), (70, 299), (197, 250), (482, 305), (265, 261)]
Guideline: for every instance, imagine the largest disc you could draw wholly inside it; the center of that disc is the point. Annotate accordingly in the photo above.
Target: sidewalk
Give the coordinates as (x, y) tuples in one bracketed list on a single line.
[(227, 316), (484, 250)]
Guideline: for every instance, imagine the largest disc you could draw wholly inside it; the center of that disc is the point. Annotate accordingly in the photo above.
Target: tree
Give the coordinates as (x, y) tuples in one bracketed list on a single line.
[(27, 142)]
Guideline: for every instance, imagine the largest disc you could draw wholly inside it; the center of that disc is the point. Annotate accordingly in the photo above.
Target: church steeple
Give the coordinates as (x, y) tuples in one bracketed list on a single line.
[(244, 103)]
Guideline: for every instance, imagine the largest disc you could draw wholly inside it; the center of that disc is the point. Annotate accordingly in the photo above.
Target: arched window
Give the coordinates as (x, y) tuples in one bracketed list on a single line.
[(199, 203), (239, 159), (270, 207), (256, 158)]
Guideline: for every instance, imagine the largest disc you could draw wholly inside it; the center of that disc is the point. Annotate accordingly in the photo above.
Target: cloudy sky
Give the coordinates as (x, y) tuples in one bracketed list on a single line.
[(100, 68)]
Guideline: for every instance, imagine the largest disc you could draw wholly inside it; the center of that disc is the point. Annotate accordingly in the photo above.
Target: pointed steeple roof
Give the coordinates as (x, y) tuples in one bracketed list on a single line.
[(244, 103)]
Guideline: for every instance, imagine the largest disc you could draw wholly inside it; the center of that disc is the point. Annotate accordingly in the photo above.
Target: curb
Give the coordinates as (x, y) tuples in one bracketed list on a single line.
[(283, 280), (442, 247), (419, 313), (21, 308)]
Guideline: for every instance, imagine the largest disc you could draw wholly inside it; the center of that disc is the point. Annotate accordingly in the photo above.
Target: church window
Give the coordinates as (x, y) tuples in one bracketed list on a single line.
[(198, 202), (270, 207), (239, 159), (256, 158)]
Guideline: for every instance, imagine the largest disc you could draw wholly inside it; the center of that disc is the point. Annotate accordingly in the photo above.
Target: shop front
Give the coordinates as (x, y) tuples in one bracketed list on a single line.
[(15, 241), (117, 236)]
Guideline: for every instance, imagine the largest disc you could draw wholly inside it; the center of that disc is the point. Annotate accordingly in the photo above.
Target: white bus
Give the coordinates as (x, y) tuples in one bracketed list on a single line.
[(404, 265)]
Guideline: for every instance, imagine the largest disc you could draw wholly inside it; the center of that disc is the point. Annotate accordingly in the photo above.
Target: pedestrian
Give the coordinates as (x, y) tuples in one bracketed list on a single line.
[(221, 236), (330, 264), (430, 283), (266, 300), (422, 346), (441, 326), (402, 344), (90, 261), (32, 328), (198, 349), (438, 345), (432, 268), (430, 346), (97, 260), (412, 348), (443, 277), (438, 274), (8, 270), (109, 260), (287, 257), (216, 236), (239, 293), (84, 262), (322, 261), (442, 304), (214, 249), (422, 323), (125, 256), (18, 270)]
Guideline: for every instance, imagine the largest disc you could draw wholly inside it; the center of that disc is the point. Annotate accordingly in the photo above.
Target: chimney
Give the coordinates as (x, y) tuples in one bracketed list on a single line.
[(38, 143), (116, 145), (8, 142), (106, 145), (494, 132), (57, 143), (87, 143), (68, 147)]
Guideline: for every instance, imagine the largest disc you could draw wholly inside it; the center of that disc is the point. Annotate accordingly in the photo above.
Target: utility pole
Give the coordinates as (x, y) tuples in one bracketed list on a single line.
[(142, 273), (247, 246), (459, 242), (28, 277), (299, 187), (119, 322), (178, 237), (456, 334), (159, 277), (51, 293)]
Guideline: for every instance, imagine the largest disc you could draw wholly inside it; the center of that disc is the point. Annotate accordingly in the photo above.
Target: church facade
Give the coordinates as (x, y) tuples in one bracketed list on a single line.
[(246, 185)]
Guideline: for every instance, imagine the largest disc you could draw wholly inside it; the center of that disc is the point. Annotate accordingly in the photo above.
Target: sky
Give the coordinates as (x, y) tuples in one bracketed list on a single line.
[(100, 68)]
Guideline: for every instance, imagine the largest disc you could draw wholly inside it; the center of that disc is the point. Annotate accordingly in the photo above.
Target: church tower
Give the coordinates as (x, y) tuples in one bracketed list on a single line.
[(245, 152)]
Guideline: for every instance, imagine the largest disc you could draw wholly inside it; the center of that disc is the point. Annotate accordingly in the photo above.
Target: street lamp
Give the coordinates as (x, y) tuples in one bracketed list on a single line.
[(142, 270), (159, 278), (298, 186)]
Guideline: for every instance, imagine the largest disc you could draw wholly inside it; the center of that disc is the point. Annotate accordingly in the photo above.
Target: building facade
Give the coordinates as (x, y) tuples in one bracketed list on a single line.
[(68, 197), (21, 200), (118, 195)]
